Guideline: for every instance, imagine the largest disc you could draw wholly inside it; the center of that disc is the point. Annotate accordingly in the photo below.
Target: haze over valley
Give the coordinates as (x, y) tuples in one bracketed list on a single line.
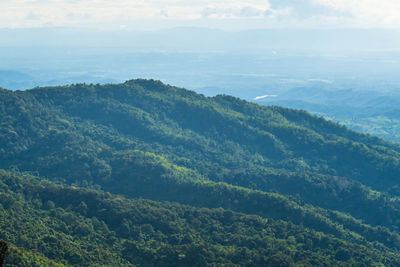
[(297, 65)]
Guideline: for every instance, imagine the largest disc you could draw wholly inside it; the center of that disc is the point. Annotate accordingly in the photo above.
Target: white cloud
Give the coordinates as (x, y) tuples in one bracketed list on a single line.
[(260, 13), (235, 11), (68, 12), (369, 13)]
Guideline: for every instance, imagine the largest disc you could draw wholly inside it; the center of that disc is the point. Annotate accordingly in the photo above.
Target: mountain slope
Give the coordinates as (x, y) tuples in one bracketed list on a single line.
[(73, 226), (145, 139)]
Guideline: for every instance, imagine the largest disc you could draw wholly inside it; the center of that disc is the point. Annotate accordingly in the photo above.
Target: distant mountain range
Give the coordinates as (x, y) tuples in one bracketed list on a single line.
[(147, 174), (373, 112)]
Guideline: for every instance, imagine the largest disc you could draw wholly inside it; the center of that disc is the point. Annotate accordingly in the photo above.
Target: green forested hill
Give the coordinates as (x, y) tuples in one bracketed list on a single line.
[(71, 226), (277, 176)]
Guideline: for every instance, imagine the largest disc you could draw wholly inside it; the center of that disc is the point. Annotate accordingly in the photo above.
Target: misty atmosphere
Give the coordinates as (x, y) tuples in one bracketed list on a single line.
[(347, 75)]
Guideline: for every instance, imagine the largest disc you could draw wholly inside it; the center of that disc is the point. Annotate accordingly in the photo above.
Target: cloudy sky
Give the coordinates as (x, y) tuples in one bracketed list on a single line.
[(227, 14)]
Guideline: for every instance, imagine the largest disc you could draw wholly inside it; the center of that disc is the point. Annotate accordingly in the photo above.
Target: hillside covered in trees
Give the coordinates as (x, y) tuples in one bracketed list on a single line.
[(147, 174)]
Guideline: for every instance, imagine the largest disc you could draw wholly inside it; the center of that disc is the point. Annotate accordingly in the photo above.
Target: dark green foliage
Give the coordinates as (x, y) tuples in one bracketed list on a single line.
[(323, 193), (3, 251), (87, 228)]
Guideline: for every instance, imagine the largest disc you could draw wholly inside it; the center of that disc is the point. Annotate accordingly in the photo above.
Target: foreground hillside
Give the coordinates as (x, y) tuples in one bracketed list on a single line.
[(71, 226), (265, 174)]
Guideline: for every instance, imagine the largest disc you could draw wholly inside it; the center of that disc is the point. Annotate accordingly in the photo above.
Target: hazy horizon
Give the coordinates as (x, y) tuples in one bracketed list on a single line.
[(201, 44)]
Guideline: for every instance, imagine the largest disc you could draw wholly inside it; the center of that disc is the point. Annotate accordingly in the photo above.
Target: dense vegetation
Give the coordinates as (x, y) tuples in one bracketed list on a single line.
[(85, 227), (211, 181), (3, 251), (375, 112)]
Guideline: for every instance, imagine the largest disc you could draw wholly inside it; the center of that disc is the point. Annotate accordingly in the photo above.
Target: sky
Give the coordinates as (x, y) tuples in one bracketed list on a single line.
[(223, 14)]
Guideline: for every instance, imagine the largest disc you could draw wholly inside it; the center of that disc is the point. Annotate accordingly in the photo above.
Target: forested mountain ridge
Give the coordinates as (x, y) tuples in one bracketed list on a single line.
[(70, 226), (145, 139), (370, 111)]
